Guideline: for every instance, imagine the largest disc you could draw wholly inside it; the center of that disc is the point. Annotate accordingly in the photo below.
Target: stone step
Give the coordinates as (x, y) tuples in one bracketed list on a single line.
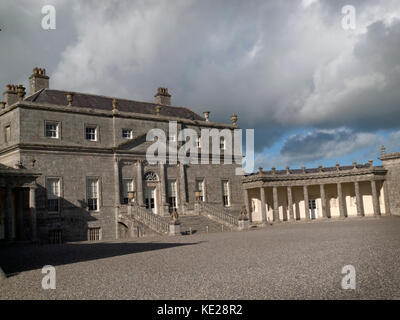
[(200, 224)]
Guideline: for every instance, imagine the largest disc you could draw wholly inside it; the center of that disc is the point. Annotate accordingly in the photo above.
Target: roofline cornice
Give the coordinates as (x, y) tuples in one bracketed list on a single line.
[(310, 176), (390, 156), (113, 113)]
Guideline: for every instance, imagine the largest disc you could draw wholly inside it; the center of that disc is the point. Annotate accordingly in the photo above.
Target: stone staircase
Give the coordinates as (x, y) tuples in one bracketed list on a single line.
[(199, 224), (217, 214), (206, 218)]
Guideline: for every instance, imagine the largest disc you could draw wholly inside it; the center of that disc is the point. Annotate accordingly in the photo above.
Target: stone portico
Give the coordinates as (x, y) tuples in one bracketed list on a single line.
[(18, 219), (319, 193)]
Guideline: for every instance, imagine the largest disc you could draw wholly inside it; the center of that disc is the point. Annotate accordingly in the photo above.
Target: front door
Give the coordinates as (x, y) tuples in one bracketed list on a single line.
[(312, 206), (150, 199)]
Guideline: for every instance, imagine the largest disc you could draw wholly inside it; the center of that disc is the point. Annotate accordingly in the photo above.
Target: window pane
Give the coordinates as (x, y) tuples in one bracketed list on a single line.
[(225, 193), (127, 134), (91, 133), (92, 191), (52, 130)]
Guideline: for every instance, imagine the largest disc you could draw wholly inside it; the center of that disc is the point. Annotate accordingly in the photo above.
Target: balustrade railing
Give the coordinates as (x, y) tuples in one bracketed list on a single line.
[(217, 213), (149, 219)]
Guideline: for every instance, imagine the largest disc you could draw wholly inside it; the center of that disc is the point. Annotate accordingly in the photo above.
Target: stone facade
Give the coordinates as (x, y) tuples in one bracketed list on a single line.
[(71, 161), (391, 162)]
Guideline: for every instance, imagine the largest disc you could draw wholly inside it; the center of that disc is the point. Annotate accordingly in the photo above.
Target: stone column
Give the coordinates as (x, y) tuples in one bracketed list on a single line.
[(247, 204), (263, 210), (20, 214), (163, 190), (375, 200), (32, 207), (117, 195), (359, 201), (290, 204), (306, 204), (182, 176), (323, 200), (117, 182), (9, 217), (386, 198), (139, 181), (276, 204), (340, 197)]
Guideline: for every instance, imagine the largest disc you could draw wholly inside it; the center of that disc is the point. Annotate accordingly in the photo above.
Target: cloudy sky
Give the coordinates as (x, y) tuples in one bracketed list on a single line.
[(314, 91)]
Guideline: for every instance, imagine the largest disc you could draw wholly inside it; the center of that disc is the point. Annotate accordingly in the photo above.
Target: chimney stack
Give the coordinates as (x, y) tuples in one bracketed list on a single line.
[(162, 96), (20, 92), (38, 80), (10, 95)]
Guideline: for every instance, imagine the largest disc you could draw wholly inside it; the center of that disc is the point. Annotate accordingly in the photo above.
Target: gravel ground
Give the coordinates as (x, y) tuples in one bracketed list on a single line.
[(285, 261)]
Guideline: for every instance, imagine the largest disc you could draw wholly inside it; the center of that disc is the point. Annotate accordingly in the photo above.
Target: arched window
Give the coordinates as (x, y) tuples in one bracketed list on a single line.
[(150, 176)]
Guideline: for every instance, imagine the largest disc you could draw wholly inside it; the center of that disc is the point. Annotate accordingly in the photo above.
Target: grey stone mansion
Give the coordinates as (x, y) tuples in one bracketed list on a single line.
[(73, 167)]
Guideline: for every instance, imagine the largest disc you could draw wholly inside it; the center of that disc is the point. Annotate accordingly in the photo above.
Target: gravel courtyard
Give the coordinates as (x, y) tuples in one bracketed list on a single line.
[(286, 261)]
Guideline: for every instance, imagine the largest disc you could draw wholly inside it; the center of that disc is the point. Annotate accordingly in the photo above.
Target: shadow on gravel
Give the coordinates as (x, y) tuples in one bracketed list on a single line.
[(15, 259)]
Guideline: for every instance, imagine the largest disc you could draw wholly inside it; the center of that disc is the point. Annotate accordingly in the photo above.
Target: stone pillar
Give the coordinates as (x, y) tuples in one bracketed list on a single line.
[(386, 198), (163, 190), (32, 207), (359, 200), (323, 200), (182, 176), (290, 204), (20, 214), (306, 204), (263, 209), (9, 217), (276, 204), (139, 181), (340, 197), (246, 203), (375, 199), (117, 194)]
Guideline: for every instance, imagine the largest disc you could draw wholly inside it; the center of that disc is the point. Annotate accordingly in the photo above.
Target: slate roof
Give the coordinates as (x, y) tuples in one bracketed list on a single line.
[(85, 100)]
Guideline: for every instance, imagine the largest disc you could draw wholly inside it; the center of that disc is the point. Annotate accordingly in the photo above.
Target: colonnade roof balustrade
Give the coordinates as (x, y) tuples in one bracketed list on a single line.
[(320, 175)]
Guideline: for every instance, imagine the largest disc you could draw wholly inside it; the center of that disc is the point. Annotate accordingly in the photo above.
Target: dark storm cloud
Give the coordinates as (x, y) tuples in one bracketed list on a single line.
[(280, 65)]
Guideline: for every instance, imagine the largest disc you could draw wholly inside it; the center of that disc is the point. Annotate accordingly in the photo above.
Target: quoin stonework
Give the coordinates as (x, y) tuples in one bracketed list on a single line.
[(73, 167)]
